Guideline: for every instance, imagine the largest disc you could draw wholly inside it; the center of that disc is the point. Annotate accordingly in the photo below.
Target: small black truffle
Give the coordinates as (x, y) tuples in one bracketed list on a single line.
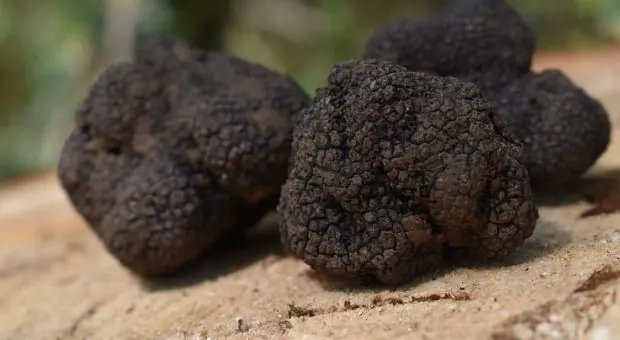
[(391, 166), (178, 150), (564, 131)]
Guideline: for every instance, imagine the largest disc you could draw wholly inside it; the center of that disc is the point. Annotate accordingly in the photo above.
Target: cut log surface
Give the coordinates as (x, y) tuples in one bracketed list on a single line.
[(58, 282)]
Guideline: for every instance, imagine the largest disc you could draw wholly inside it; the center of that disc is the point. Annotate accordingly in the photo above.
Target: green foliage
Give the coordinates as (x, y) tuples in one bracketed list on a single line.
[(571, 24), (43, 48)]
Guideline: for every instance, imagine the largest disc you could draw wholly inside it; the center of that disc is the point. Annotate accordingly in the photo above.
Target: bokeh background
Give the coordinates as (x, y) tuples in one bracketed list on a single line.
[(52, 50)]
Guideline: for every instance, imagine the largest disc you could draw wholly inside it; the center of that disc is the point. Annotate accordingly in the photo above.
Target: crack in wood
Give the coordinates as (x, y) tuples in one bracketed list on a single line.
[(377, 301), (572, 317), (88, 313)]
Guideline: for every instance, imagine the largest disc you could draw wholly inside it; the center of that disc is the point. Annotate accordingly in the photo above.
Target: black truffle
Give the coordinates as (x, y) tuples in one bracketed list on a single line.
[(564, 131), (178, 150), (391, 166)]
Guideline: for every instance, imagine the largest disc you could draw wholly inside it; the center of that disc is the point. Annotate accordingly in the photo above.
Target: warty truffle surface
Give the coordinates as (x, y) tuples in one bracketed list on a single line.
[(392, 166), (488, 43), (177, 151)]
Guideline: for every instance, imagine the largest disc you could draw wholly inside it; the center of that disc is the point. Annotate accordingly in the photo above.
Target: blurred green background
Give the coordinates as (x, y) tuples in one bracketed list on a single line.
[(52, 50)]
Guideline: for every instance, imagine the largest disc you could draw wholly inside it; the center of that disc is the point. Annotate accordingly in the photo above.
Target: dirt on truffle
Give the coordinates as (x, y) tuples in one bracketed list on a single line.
[(58, 282)]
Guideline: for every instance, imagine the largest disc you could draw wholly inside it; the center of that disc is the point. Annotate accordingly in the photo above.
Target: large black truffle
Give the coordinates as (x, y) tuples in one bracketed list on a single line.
[(564, 130), (391, 166), (178, 150)]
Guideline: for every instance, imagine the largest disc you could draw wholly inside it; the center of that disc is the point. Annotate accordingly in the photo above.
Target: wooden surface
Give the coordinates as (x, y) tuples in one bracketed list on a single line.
[(57, 281)]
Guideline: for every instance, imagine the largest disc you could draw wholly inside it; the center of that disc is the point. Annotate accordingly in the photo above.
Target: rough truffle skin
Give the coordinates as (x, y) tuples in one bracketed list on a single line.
[(564, 130), (474, 39), (391, 166), (177, 151)]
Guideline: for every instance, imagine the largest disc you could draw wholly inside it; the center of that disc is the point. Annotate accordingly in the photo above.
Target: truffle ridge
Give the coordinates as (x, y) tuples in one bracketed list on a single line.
[(563, 130), (389, 167), (178, 150)]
